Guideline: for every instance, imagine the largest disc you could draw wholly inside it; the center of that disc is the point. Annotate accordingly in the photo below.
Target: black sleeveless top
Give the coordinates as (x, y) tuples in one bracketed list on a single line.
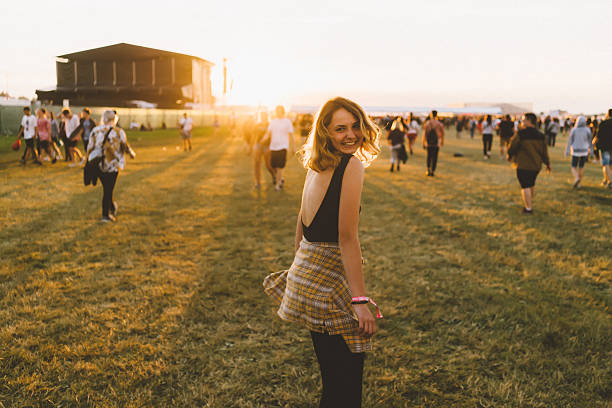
[(324, 225)]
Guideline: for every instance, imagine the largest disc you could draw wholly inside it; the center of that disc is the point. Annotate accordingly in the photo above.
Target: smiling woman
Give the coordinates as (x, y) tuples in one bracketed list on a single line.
[(324, 289), (343, 124)]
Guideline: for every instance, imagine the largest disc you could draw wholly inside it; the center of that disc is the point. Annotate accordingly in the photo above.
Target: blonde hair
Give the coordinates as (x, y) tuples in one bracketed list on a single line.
[(319, 153), (397, 124)]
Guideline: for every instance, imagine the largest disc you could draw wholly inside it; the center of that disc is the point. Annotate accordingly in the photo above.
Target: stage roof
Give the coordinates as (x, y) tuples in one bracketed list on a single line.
[(124, 51)]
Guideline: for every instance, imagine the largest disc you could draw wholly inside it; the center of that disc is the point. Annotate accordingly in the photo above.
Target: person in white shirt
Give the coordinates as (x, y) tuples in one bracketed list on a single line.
[(280, 134), (71, 123), (487, 136), (29, 131), (185, 126), (413, 130)]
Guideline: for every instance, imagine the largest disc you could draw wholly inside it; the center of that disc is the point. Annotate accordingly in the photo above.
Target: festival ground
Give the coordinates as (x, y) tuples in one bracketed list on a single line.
[(484, 307)]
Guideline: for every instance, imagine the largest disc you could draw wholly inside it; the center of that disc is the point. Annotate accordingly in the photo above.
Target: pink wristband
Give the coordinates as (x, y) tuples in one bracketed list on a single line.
[(367, 299)]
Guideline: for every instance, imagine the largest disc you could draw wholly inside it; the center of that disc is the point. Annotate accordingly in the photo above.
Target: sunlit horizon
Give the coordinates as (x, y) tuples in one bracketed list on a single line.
[(300, 53)]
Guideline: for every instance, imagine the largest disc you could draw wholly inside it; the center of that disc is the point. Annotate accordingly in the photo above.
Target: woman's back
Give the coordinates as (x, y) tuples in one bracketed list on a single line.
[(321, 201)]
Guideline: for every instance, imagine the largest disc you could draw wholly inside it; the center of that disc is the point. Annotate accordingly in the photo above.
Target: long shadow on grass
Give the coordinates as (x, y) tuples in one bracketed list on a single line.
[(484, 252), (473, 236), (46, 215), (227, 318), (46, 218), (185, 188)]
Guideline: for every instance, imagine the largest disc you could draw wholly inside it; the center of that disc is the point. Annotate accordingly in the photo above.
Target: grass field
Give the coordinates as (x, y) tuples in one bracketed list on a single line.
[(483, 307)]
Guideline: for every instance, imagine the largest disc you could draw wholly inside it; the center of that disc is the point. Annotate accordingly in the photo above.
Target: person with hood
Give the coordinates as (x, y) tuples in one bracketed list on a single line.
[(603, 141), (579, 143), (527, 151)]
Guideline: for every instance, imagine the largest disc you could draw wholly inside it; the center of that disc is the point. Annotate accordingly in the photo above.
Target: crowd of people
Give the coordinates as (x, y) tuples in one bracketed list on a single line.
[(270, 141), (524, 142), (44, 135), (324, 289), (104, 146)]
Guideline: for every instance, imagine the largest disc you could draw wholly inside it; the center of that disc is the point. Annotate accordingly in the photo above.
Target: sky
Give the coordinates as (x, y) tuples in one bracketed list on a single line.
[(554, 54)]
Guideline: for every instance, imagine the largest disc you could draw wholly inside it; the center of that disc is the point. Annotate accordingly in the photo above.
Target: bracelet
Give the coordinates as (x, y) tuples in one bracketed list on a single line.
[(360, 300)]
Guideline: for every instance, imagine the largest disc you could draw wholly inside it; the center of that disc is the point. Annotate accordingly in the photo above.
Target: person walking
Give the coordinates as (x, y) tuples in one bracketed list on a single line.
[(412, 133), (593, 124), (87, 124), (185, 127), (580, 146), (280, 136), (506, 130), (396, 140), (603, 141), (43, 126), (254, 134), (55, 136), (433, 140), (71, 127), (324, 289), (29, 132), (472, 127), (487, 136), (107, 143), (459, 126), (528, 151), (552, 130)]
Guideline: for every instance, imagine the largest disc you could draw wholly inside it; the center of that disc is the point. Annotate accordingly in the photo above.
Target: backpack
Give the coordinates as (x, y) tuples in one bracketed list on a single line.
[(432, 137)]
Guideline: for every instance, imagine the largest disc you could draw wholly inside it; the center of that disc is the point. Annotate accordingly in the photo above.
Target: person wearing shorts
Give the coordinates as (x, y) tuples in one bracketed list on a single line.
[(278, 159), (185, 127), (29, 131), (603, 140), (579, 144), (44, 134), (413, 130), (280, 134), (527, 151)]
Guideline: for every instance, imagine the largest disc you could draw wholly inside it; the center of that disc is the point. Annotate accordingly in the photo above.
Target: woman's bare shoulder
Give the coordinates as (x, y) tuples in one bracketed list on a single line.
[(354, 167)]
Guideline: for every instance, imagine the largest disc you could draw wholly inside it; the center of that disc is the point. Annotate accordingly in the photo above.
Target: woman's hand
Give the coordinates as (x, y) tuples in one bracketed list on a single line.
[(367, 324)]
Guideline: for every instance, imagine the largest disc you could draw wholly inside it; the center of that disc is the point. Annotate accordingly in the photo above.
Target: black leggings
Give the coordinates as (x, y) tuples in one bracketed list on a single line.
[(108, 185), (341, 371), (487, 142), (432, 158)]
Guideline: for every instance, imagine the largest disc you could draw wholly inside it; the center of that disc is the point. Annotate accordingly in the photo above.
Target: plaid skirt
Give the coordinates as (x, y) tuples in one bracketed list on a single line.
[(314, 292)]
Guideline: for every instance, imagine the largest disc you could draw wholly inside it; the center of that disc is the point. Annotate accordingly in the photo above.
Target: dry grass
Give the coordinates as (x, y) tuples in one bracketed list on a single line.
[(483, 307)]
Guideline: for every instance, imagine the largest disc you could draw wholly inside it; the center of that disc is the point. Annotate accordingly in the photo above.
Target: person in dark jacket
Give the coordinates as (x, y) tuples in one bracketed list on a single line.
[(527, 151), (506, 130), (603, 141)]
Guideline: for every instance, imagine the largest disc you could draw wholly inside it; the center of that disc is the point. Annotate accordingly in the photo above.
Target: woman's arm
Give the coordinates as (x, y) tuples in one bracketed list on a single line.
[(348, 240), (298, 231)]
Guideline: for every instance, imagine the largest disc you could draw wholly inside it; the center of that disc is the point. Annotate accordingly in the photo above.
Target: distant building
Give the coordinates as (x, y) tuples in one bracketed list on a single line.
[(516, 108), (127, 75)]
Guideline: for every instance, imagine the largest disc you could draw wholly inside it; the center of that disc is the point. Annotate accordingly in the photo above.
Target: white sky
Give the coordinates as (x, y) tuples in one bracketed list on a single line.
[(556, 54)]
